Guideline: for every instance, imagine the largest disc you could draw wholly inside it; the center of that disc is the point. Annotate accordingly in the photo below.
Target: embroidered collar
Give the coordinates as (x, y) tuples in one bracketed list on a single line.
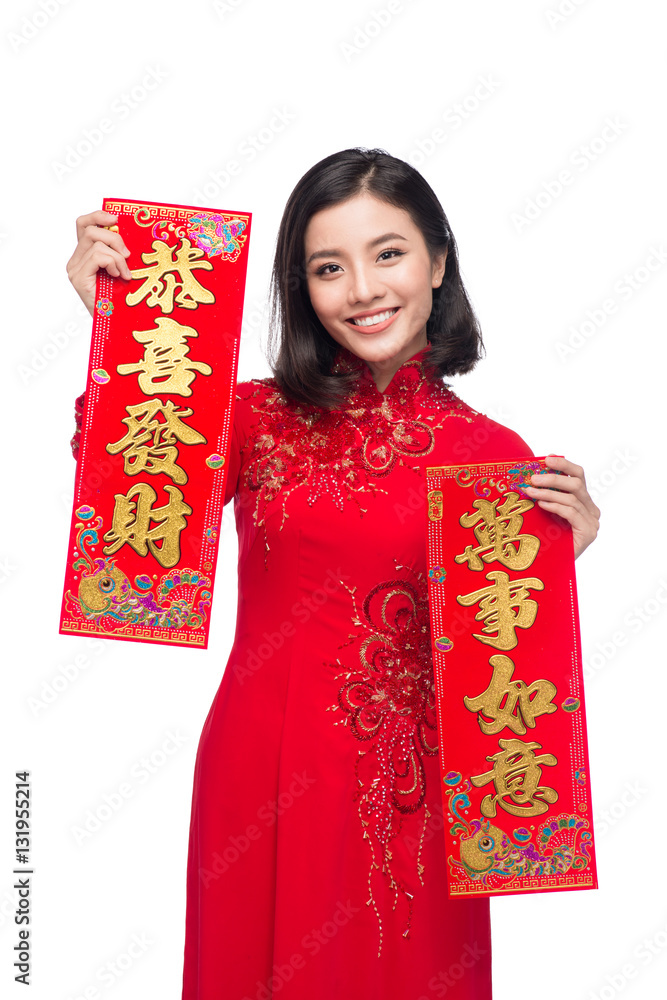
[(410, 375)]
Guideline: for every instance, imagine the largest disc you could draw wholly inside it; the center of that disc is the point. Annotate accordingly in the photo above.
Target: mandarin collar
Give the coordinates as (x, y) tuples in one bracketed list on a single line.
[(410, 374)]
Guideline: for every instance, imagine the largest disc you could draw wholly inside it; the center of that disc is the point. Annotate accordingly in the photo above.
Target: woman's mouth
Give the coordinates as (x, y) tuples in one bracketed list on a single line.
[(373, 322)]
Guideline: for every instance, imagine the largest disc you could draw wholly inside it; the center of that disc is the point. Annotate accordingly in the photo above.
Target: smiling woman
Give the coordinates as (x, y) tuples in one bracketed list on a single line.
[(372, 295), (362, 234), (316, 861)]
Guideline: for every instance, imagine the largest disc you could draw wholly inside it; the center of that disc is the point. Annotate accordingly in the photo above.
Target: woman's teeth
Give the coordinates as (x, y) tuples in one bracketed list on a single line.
[(373, 320)]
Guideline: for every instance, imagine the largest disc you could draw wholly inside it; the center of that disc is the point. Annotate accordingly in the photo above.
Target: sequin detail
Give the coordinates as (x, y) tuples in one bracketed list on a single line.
[(388, 701), (341, 453)]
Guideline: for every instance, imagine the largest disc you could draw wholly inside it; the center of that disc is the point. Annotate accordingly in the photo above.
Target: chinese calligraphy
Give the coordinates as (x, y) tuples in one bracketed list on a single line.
[(516, 775), (496, 608), (510, 703), (496, 527), (132, 519), (149, 443), (165, 366), (160, 280), (435, 505), (504, 631), (504, 606)]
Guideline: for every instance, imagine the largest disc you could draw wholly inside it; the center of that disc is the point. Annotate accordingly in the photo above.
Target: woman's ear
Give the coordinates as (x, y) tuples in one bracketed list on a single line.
[(438, 271)]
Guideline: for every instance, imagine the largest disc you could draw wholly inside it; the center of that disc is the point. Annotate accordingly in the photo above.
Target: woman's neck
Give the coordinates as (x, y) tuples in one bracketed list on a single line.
[(384, 371)]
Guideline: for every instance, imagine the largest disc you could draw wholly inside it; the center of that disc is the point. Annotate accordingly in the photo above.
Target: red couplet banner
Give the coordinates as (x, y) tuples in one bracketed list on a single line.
[(509, 685), (156, 427)]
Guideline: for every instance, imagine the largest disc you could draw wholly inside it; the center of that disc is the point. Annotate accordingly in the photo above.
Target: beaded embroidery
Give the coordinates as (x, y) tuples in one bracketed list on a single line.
[(339, 453), (389, 704)]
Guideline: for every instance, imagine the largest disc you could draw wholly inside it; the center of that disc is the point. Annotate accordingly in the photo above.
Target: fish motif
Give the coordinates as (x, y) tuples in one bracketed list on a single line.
[(491, 856), (106, 595)]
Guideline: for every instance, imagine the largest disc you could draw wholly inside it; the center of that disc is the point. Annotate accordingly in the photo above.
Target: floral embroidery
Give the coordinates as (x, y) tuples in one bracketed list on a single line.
[(388, 700), (295, 446), (339, 453)]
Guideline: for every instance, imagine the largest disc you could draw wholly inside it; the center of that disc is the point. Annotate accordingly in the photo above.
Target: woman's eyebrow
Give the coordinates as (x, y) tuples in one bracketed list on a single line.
[(336, 252)]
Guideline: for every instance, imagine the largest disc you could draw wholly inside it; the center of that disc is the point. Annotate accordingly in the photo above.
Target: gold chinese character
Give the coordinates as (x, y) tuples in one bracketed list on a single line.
[(497, 530), (149, 444), (496, 603), (516, 775), (510, 703), (165, 366), (131, 524), (160, 282), (435, 505)]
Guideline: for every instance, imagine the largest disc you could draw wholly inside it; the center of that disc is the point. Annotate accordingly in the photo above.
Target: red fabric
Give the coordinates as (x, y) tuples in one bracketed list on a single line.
[(317, 767)]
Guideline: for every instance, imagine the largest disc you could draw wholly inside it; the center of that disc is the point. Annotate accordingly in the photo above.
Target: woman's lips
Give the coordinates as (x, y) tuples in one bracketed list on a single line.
[(374, 327)]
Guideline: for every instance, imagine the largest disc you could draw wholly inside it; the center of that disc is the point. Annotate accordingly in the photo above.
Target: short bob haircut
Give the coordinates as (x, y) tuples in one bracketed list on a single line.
[(301, 351)]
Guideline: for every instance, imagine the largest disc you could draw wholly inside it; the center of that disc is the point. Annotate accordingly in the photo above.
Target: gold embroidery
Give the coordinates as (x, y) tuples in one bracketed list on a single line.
[(341, 454)]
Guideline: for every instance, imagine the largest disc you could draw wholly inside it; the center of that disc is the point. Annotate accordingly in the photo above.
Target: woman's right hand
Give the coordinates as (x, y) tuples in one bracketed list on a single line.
[(97, 247)]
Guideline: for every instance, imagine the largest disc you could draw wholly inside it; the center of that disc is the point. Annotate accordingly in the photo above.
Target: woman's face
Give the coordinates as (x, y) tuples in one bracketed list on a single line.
[(370, 279)]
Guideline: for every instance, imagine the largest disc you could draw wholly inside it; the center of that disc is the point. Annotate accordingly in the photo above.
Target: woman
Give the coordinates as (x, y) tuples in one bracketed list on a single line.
[(316, 863)]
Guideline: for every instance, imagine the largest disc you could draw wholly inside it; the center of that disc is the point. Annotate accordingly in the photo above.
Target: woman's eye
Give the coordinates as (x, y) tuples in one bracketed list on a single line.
[(325, 269), (388, 254)]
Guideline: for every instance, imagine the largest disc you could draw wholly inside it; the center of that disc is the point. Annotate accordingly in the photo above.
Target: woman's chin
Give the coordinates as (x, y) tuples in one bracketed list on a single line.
[(378, 349)]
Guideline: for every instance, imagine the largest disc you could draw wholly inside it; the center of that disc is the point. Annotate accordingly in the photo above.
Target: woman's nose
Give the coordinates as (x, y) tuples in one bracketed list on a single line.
[(365, 285)]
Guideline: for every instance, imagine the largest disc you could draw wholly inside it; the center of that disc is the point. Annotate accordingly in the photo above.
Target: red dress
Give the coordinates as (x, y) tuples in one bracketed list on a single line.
[(316, 865)]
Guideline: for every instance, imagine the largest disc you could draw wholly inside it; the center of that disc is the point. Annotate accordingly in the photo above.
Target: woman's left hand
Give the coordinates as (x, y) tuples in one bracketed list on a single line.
[(573, 501)]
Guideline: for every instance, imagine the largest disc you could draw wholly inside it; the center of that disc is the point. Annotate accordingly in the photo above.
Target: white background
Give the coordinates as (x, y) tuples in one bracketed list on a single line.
[(535, 92)]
